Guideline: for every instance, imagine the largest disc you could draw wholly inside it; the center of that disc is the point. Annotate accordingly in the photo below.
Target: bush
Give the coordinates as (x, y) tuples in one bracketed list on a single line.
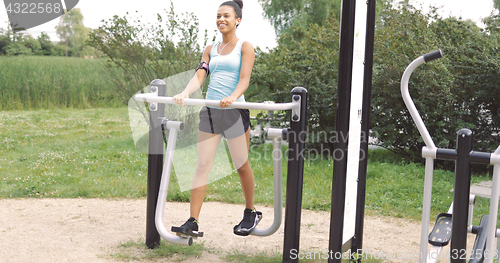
[(307, 58), (451, 93)]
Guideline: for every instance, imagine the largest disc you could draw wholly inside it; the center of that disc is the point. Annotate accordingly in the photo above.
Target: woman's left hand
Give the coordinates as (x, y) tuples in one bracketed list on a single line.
[(225, 102)]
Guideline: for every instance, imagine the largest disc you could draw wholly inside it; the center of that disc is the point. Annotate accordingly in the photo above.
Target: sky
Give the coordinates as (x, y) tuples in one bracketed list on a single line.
[(254, 27)]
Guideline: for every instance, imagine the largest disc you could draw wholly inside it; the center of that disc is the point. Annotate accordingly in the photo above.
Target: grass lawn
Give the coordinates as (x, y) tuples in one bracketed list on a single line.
[(69, 153)]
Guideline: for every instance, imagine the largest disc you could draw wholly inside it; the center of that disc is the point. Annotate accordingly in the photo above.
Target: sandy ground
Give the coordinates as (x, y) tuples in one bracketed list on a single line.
[(90, 230)]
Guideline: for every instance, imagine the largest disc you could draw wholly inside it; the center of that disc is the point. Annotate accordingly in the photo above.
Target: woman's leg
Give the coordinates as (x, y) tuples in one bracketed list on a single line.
[(207, 145), (239, 155)]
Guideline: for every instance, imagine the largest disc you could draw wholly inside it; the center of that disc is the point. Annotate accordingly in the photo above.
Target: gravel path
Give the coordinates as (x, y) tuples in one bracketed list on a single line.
[(90, 230)]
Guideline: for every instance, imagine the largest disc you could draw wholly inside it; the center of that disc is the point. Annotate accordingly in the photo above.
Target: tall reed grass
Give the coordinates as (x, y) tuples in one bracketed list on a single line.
[(34, 82)]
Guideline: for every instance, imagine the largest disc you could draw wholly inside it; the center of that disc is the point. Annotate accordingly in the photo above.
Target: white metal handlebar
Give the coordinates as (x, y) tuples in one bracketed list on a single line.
[(150, 97), (411, 106), (429, 152)]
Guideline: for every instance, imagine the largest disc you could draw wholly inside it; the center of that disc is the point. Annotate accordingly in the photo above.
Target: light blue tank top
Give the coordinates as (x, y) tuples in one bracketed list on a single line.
[(224, 73)]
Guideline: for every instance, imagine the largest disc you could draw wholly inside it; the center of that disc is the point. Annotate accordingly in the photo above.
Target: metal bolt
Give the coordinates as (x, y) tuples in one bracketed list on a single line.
[(154, 89), (296, 97), (295, 117), (152, 107)]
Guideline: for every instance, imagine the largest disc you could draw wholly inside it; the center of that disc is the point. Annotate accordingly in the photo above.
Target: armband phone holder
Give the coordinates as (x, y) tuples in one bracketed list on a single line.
[(204, 66)]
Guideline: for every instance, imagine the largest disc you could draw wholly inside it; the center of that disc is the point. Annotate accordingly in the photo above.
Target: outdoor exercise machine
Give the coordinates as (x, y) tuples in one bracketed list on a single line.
[(457, 222), (159, 170), (350, 162)]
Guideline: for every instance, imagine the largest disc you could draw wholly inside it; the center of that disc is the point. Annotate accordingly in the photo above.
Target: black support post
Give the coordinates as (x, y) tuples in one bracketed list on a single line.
[(365, 126), (342, 128), (155, 164), (458, 252), (296, 147)]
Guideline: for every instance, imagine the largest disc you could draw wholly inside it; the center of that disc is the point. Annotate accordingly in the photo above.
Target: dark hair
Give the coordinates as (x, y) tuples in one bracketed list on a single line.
[(237, 5)]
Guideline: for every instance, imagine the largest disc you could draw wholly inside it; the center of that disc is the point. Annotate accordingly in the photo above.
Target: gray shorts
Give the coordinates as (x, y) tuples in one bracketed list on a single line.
[(231, 123)]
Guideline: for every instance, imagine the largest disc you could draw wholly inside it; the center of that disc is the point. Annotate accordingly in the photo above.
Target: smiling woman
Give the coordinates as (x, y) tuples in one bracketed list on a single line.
[(229, 63)]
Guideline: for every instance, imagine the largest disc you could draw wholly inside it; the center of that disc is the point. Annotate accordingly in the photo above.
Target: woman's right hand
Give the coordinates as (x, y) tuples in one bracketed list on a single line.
[(179, 98)]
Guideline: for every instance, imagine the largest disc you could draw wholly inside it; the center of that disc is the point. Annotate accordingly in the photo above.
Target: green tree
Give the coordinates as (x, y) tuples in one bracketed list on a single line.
[(474, 61), (451, 93), (17, 49), (18, 43), (72, 32), (496, 4), (137, 53), (285, 13), (45, 44), (33, 44), (5, 39), (307, 58), (492, 24)]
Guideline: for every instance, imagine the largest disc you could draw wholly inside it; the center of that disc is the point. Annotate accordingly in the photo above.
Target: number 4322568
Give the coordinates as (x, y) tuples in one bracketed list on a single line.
[(34, 8)]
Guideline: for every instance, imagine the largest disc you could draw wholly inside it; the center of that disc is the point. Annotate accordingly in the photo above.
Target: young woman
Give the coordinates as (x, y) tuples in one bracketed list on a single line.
[(229, 64)]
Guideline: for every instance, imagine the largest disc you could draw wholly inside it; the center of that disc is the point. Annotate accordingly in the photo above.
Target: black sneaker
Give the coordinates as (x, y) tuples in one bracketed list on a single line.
[(250, 220), (189, 228)]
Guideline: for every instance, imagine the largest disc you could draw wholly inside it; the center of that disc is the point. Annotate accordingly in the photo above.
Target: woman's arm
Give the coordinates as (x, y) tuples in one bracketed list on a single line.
[(195, 82), (247, 61)]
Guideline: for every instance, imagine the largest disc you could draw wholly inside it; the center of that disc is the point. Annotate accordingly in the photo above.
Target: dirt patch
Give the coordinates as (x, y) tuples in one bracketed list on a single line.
[(90, 230)]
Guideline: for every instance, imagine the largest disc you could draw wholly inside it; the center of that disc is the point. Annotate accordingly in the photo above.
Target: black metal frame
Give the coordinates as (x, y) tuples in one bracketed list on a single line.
[(463, 157), (365, 125), (155, 166), (336, 245), (295, 173), (342, 128)]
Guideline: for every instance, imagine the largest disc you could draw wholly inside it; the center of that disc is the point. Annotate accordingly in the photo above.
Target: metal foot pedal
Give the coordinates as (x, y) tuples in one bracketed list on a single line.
[(186, 233), (441, 233)]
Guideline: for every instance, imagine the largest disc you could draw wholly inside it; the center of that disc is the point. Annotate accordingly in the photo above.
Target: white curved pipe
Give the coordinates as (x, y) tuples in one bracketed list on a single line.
[(429, 152), (162, 195), (411, 106), (429, 158), (275, 134)]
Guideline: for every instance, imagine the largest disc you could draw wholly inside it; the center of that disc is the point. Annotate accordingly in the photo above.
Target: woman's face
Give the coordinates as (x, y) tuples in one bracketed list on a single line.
[(226, 19)]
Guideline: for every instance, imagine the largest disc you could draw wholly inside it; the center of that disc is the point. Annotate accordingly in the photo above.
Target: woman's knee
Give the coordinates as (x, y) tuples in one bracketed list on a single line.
[(245, 169), (204, 165)]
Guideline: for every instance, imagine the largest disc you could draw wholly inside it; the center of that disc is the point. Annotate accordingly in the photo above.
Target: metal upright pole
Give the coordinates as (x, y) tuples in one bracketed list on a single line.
[(296, 147), (365, 126), (155, 163), (458, 252), (342, 128)]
